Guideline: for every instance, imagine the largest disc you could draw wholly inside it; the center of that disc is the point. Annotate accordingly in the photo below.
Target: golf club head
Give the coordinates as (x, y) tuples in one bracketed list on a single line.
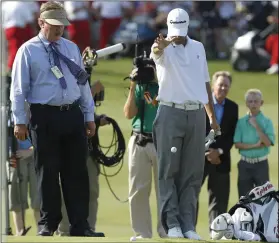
[(210, 138)]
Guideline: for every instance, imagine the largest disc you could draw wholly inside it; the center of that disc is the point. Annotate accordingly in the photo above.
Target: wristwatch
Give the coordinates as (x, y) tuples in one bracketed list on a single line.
[(220, 151)]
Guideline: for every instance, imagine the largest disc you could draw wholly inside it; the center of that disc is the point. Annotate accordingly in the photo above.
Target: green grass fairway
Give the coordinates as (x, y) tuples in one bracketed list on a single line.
[(113, 217)]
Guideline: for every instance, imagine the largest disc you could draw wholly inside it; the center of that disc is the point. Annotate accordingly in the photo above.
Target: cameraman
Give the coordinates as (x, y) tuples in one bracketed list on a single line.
[(93, 174), (141, 105)]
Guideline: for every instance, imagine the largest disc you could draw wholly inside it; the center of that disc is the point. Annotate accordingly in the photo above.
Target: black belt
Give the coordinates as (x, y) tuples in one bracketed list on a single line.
[(149, 135), (65, 107), (142, 138)]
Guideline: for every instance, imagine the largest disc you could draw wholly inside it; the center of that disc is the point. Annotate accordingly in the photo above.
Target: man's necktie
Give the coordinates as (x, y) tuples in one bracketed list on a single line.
[(58, 64), (80, 74)]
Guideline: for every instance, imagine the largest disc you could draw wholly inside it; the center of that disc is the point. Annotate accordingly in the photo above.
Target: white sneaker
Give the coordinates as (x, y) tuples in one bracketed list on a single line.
[(192, 235), (175, 232), (224, 238), (134, 238), (273, 69)]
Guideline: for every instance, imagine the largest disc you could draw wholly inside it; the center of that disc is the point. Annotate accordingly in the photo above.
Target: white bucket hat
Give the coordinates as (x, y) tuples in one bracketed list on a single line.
[(178, 22)]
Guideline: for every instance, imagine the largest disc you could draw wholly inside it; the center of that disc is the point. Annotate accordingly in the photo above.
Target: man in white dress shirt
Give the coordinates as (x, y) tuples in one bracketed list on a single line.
[(179, 128)]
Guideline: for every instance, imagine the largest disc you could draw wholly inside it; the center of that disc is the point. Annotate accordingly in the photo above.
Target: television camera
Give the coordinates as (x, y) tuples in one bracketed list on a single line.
[(144, 68)]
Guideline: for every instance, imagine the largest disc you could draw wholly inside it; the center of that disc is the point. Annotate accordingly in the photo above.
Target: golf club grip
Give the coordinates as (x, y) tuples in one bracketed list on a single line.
[(111, 50)]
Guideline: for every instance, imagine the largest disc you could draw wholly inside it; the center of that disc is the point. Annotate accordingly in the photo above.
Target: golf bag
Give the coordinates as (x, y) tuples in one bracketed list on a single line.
[(253, 218)]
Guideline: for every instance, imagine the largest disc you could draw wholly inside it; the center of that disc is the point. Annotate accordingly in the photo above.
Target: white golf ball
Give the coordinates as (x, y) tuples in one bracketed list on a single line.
[(133, 238), (173, 149)]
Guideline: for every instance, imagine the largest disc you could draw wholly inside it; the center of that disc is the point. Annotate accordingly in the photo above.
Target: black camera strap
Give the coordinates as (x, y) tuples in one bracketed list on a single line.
[(142, 107)]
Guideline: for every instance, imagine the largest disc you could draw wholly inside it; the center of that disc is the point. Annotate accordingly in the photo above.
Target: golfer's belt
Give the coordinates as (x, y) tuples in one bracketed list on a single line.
[(189, 106)]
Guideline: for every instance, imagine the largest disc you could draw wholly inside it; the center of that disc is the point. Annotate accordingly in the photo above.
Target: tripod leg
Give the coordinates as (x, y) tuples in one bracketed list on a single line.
[(8, 229), (19, 183)]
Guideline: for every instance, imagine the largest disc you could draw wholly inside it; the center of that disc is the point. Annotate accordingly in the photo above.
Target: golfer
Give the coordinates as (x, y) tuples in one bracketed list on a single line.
[(179, 128)]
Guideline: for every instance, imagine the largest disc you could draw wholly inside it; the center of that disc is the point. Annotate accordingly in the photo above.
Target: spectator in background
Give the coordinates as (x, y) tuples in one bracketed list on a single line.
[(218, 158), (94, 26), (145, 12), (16, 18), (256, 13), (79, 30), (34, 13), (212, 22), (145, 7), (228, 27), (28, 182), (253, 137), (271, 44), (110, 14)]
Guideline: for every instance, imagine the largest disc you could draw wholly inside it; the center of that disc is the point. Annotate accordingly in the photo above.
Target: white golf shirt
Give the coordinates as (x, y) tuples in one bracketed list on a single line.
[(182, 73)]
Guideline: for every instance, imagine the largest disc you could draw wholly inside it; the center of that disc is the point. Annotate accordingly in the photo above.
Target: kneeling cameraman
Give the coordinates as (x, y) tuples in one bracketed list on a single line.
[(141, 106)]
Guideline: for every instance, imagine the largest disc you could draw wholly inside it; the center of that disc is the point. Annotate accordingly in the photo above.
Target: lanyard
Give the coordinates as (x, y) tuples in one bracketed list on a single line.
[(49, 59)]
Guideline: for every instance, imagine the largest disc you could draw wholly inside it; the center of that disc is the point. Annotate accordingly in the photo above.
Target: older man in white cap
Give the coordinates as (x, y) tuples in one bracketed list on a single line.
[(180, 125), (48, 73)]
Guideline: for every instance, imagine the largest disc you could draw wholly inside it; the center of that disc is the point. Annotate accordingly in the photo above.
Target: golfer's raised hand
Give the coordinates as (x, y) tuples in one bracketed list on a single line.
[(162, 43)]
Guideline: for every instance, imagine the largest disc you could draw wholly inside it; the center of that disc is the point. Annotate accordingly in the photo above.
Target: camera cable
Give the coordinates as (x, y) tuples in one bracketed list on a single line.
[(101, 157)]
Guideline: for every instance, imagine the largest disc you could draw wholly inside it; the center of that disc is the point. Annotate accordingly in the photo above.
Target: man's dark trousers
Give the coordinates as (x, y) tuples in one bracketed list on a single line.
[(218, 190), (219, 175), (60, 146)]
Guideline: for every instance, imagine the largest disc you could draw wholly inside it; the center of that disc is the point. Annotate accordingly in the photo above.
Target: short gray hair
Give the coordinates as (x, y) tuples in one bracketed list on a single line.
[(253, 92), (226, 74)]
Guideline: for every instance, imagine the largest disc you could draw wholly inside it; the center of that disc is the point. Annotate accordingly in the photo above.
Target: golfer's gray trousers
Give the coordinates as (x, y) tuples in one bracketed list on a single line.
[(180, 172)]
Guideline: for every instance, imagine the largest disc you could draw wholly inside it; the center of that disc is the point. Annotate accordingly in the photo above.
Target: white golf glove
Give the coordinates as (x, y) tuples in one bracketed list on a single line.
[(222, 226)]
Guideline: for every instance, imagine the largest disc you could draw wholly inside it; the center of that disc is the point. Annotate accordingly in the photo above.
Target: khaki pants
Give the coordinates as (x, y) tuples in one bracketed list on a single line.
[(141, 161), (93, 173), (28, 178)]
